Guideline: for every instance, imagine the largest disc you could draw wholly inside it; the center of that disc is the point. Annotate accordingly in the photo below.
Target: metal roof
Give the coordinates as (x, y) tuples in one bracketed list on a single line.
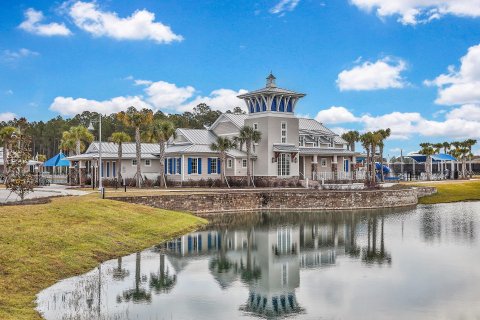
[(236, 118), (285, 148), (271, 90), (127, 147), (198, 136), (326, 151)]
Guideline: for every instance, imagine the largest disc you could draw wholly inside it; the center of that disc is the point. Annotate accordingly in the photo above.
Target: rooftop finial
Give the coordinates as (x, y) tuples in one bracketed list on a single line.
[(271, 80)]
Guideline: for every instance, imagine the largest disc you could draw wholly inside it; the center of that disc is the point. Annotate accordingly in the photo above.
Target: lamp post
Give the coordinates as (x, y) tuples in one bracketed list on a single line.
[(90, 127)]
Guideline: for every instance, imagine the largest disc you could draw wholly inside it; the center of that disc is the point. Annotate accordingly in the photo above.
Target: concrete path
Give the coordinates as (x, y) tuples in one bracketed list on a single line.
[(53, 190)]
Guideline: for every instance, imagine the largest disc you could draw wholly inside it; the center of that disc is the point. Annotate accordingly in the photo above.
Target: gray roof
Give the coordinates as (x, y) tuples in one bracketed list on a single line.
[(127, 147), (285, 148), (236, 118), (326, 151), (198, 136), (271, 90)]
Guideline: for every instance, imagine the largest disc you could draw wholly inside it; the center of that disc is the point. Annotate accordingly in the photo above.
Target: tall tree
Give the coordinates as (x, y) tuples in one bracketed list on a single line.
[(470, 143), (137, 119), (248, 136), (366, 141), (351, 137), (160, 131), (119, 138), (6, 136), (79, 136), (427, 150), (223, 145)]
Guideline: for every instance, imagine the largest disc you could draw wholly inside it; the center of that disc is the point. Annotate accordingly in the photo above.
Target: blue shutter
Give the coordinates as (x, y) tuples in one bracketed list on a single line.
[(170, 166), (179, 165), (199, 165), (219, 166), (199, 242), (114, 166), (165, 166), (189, 165), (209, 168), (209, 241)]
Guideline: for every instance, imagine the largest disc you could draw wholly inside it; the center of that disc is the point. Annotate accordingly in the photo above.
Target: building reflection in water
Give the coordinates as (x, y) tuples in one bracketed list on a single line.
[(269, 256)]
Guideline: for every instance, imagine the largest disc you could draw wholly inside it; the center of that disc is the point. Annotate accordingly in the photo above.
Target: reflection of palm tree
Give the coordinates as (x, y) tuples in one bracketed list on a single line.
[(164, 281), (371, 254), (250, 271), (119, 273), (352, 248), (137, 294)]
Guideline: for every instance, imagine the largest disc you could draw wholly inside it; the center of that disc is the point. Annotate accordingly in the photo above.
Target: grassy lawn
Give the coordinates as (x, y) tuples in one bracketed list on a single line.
[(453, 191), (41, 244)]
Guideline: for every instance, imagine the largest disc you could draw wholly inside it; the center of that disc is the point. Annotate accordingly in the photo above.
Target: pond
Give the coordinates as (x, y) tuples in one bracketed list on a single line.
[(420, 263)]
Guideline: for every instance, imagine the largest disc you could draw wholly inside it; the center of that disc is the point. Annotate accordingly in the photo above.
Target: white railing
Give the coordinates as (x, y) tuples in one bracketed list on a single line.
[(332, 176)]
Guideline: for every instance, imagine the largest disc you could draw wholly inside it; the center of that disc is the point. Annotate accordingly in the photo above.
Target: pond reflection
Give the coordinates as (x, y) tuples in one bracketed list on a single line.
[(418, 263)]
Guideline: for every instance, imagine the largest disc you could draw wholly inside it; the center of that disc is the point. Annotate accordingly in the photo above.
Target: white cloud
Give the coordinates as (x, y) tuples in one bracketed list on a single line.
[(140, 25), (7, 116), (164, 95), (382, 74), (465, 112), (159, 95), (334, 115), (462, 86), (403, 125), (411, 12), (12, 56), (339, 130), (283, 6), (32, 24), (220, 99), (69, 106)]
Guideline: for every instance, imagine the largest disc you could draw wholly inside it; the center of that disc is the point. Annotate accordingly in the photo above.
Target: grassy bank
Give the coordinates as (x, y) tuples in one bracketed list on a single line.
[(41, 244), (453, 191)]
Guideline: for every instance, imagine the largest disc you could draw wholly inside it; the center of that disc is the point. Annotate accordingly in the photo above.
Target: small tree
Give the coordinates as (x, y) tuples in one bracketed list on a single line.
[(427, 150), (119, 138), (248, 136), (20, 181), (6, 136), (351, 137)]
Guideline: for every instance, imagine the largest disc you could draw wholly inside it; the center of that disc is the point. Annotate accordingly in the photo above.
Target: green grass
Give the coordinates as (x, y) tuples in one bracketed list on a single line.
[(41, 244), (453, 192)]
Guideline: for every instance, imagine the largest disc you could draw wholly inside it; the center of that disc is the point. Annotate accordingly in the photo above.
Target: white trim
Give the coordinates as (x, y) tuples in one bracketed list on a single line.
[(229, 163), (183, 167), (244, 161)]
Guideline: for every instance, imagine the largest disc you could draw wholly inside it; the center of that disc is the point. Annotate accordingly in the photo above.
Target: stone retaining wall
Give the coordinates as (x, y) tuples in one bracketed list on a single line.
[(280, 199)]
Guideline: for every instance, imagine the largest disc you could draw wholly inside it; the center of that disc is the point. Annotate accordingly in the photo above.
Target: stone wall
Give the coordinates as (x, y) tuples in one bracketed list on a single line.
[(279, 199)]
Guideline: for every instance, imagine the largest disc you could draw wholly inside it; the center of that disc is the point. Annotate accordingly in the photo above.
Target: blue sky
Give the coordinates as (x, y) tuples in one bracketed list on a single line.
[(364, 64)]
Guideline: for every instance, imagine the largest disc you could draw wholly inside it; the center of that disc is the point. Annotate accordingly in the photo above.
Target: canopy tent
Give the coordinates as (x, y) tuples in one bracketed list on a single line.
[(435, 157), (57, 161)]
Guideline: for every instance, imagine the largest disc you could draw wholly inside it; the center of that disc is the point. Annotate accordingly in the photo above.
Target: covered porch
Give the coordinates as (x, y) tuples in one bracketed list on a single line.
[(329, 165)]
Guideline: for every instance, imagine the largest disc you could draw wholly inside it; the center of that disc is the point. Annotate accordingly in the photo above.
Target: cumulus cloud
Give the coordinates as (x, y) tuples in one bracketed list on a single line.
[(15, 55), (465, 112), (382, 74), (283, 6), (159, 95), (335, 115), (460, 86), (7, 116), (69, 106), (412, 12), (32, 24), (140, 25)]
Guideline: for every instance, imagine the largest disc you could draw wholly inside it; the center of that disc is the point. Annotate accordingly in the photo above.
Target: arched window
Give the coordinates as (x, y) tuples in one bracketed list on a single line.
[(274, 104), (289, 106), (257, 107), (282, 105), (264, 106), (252, 109)]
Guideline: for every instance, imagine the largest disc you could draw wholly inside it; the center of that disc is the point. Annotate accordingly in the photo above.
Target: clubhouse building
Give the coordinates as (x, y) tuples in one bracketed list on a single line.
[(290, 147)]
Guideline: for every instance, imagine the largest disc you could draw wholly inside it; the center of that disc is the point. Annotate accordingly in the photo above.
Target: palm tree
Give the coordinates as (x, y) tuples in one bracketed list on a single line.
[(160, 131), (446, 147), (384, 135), (366, 140), (223, 145), (136, 119), (77, 136), (455, 151), (428, 151), (119, 138), (351, 137), (375, 141), (248, 136), (470, 143), (464, 151), (6, 136)]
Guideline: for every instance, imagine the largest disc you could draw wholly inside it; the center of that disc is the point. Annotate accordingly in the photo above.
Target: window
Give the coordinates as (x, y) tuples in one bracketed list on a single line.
[(244, 163), (283, 132), (229, 163), (108, 169), (323, 162), (114, 167), (284, 164), (148, 163), (194, 165), (134, 162), (301, 141), (213, 165), (179, 166), (255, 126)]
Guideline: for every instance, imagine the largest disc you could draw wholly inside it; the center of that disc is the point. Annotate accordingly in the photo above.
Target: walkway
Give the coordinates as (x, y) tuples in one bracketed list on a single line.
[(53, 190)]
